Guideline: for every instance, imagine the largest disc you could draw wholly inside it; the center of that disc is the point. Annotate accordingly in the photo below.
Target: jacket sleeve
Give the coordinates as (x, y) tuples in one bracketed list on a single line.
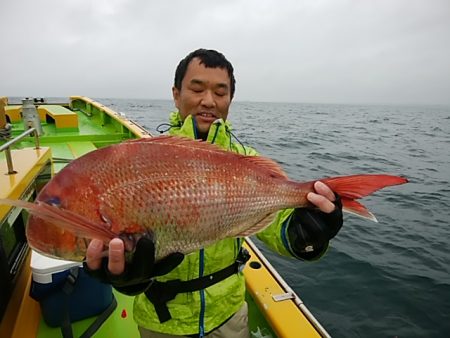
[(243, 150), (275, 236)]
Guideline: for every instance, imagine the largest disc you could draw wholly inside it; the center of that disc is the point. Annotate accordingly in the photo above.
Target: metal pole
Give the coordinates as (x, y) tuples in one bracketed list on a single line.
[(9, 162), (17, 139), (36, 140), (6, 147)]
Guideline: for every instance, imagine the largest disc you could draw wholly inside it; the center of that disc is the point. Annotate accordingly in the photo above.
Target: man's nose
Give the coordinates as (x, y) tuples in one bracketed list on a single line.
[(208, 99)]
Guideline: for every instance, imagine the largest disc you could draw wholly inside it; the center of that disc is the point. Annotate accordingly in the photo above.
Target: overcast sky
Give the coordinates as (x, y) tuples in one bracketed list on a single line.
[(324, 51)]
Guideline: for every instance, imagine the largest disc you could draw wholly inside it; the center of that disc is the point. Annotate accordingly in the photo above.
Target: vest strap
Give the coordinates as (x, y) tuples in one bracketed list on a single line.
[(159, 293)]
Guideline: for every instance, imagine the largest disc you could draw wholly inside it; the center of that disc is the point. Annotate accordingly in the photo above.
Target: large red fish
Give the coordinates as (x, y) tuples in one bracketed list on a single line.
[(184, 194)]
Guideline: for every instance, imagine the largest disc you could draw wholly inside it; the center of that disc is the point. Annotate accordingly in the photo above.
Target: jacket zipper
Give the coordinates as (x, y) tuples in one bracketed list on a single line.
[(202, 263), (202, 296), (215, 133)]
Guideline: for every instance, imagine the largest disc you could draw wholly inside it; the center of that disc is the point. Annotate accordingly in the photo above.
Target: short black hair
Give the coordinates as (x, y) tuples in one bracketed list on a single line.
[(210, 59)]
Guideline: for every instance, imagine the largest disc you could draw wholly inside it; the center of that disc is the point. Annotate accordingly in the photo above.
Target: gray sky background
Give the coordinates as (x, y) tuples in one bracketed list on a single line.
[(325, 51)]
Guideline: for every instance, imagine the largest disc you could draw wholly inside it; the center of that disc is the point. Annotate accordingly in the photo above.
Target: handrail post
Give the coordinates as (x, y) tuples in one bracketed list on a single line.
[(35, 134), (6, 146), (31, 121), (36, 139), (9, 162)]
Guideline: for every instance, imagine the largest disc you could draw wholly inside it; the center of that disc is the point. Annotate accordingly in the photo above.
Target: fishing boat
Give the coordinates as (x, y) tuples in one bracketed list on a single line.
[(45, 137)]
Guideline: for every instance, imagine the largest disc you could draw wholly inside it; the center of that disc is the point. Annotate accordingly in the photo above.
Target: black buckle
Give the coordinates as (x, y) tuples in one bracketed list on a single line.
[(69, 284), (242, 258)]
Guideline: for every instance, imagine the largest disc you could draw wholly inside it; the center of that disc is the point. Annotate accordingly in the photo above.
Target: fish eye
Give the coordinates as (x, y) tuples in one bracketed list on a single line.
[(54, 201)]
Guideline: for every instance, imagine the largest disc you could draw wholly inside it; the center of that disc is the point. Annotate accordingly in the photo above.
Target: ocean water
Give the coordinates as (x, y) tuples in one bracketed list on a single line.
[(385, 279)]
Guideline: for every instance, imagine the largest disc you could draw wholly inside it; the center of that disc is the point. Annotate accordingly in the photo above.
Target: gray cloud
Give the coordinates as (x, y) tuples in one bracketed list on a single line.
[(298, 51)]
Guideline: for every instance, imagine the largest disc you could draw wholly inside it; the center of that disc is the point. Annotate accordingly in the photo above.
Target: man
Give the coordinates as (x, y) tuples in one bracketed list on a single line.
[(180, 300)]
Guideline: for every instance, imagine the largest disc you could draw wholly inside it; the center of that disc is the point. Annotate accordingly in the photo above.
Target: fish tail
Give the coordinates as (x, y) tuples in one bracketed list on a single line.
[(351, 188), (68, 220)]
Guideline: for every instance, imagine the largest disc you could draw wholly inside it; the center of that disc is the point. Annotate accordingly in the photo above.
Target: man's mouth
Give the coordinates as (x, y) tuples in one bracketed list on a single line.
[(207, 115)]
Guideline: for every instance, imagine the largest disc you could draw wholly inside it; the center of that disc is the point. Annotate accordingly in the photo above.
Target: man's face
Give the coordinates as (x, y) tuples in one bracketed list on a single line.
[(204, 94)]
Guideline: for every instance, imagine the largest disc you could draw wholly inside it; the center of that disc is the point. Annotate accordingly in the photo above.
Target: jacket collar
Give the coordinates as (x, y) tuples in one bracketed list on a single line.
[(219, 133)]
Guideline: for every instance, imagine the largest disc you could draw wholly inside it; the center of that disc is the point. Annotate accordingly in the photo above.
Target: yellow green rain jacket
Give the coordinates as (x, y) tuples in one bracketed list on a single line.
[(204, 310)]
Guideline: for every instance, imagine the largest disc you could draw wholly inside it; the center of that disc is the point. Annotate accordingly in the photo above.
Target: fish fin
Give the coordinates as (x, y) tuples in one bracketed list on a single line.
[(356, 208), (257, 227), (358, 186), (143, 139), (66, 219), (272, 167), (353, 187)]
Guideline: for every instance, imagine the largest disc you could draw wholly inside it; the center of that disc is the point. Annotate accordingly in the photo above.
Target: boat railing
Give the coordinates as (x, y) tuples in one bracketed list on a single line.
[(31, 126), (289, 292), (6, 147)]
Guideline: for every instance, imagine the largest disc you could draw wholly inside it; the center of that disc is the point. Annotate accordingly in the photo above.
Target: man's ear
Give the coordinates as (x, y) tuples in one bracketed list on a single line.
[(176, 96)]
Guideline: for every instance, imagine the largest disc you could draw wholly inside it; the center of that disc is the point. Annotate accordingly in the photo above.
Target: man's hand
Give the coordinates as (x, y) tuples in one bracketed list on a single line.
[(310, 229), (116, 255), (323, 198), (128, 277)]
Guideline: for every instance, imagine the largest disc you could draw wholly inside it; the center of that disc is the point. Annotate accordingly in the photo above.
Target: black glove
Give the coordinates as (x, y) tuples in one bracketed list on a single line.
[(139, 272), (310, 230)]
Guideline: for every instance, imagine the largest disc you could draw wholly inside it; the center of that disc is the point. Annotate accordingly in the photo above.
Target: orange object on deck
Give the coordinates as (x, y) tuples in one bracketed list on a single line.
[(3, 103)]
